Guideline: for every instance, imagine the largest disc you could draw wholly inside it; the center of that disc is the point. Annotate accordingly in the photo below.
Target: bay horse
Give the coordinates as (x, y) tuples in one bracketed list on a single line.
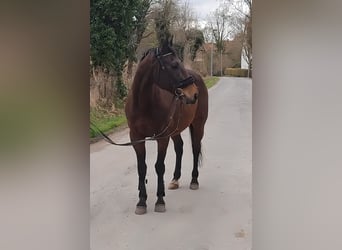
[(164, 99)]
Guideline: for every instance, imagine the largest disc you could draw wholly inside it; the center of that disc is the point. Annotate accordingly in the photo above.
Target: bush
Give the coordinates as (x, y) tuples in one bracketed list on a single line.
[(121, 88), (236, 72)]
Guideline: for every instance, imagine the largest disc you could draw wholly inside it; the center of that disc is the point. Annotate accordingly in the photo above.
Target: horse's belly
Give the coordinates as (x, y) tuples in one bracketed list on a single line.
[(170, 123)]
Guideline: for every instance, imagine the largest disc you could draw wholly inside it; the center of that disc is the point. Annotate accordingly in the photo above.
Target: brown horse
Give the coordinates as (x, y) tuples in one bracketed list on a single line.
[(165, 98)]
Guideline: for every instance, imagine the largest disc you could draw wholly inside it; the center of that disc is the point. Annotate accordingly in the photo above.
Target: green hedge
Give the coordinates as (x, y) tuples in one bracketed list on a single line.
[(236, 72)]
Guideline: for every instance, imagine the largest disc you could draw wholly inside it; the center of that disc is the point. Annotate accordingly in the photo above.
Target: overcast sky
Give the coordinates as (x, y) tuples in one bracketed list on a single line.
[(203, 7)]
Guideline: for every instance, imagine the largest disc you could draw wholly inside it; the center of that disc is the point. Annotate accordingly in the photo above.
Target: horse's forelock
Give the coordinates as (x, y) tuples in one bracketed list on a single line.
[(171, 49)]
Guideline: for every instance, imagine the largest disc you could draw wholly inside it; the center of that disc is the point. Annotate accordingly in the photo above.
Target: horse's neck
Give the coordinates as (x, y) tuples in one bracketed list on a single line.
[(147, 96), (143, 89)]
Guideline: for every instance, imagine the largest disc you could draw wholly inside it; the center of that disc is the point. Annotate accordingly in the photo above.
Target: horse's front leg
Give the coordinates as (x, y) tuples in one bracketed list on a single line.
[(140, 151), (160, 169)]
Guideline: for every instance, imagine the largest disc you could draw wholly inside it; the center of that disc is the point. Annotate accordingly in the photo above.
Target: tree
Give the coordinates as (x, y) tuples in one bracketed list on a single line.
[(115, 30), (219, 26), (247, 44), (236, 17), (185, 17), (196, 39), (140, 24), (165, 14), (186, 28), (242, 25), (178, 20)]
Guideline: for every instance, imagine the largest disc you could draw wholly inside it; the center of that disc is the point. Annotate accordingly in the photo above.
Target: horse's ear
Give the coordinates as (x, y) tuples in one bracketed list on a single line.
[(165, 44), (171, 41)]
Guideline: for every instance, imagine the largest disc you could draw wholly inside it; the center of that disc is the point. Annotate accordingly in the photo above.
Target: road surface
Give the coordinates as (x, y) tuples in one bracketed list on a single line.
[(217, 216)]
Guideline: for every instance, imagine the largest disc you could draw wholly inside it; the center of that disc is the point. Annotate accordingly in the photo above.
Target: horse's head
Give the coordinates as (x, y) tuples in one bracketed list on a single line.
[(172, 76)]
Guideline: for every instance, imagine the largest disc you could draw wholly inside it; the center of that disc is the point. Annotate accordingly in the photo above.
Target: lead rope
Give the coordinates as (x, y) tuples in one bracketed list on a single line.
[(152, 138)]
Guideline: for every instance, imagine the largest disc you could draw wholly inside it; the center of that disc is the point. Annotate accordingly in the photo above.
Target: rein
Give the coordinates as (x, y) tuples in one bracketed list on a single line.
[(151, 138)]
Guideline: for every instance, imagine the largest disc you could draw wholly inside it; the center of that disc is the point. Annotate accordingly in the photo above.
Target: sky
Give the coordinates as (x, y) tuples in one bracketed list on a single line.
[(203, 7)]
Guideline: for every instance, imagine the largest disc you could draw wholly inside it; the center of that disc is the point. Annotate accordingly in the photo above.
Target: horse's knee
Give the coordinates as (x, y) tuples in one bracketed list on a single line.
[(160, 168)]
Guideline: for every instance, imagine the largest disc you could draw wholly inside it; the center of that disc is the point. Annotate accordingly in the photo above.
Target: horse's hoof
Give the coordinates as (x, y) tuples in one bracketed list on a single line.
[(160, 208), (173, 184), (194, 186), (140, 210)]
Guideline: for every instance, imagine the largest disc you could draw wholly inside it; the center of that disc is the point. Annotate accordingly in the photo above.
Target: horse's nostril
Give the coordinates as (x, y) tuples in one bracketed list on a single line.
[(195, 96), (179, 92)]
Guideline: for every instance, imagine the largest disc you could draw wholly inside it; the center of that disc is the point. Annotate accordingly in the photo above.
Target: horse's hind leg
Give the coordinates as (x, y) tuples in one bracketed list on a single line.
[(196, 132), (160, 169), (178, 145)]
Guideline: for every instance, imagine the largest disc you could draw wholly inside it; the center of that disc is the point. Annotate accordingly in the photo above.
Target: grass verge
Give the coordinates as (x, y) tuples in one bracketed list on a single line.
[(211, 81), (105, 121)]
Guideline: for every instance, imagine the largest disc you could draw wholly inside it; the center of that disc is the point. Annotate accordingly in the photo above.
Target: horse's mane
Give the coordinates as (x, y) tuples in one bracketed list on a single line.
[(146, 53)]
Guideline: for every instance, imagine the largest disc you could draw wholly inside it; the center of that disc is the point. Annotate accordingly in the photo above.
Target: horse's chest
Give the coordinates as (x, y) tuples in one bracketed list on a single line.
[(183, 117)]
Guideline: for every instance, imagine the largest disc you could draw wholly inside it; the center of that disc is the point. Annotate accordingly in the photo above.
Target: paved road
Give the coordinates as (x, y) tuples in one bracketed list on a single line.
[(215, 217)]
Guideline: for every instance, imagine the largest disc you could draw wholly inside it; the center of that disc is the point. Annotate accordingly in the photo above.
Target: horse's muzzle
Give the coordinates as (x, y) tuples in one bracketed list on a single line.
[(193, 100), (189, 95)]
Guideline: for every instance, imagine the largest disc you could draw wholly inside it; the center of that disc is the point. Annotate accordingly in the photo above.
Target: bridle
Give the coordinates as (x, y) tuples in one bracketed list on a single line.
[(177, 96), (182, 83)]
